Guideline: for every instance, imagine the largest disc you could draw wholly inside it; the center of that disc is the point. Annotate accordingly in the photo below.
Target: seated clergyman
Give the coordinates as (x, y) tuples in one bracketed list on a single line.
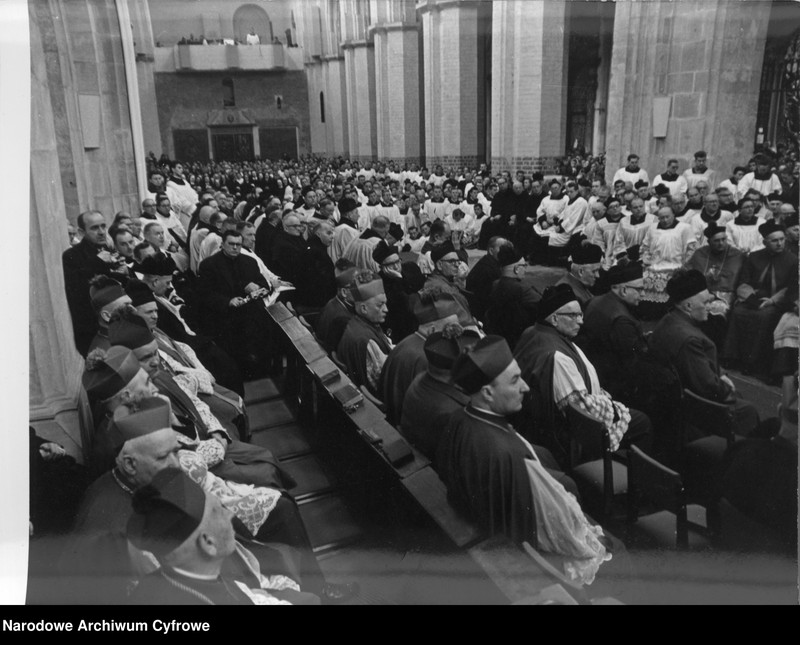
[(496, 477)]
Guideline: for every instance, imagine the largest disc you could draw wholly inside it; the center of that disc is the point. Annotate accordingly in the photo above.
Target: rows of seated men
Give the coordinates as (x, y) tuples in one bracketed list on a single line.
[(192, 304)]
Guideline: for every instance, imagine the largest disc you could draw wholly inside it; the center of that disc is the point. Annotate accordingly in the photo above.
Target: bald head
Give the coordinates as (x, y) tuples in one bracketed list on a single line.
[(205, 214)]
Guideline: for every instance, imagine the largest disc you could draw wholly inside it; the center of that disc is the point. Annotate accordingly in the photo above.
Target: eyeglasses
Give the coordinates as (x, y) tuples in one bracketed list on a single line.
[(452, 262), (572, 314)]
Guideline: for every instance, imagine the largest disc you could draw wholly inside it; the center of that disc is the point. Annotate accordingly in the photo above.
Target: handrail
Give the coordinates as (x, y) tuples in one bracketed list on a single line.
[(517, 576)]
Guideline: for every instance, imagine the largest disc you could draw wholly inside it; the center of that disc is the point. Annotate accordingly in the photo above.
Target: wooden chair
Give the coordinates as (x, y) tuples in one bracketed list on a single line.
[(699, 458), (599, 476), (670, 521)]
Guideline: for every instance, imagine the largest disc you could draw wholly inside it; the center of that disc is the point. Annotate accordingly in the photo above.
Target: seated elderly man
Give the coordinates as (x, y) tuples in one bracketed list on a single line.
[(315, 282), (433, 310), (339, 310), (583, 272), (766, 278), (191, 534), (512, 301), (432, 398), (482, 276), (289, 249), (238, 461), (613, 334), (225, 404), (721, 263), (497, 478), (400, 321), (560, 374), (448, 276), (144, 445), (176, 323), (364, 346), (678, 341)]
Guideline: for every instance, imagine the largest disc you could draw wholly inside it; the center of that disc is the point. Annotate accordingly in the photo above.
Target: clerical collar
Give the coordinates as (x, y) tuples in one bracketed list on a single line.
[(710, 218), (574, 199), (497, 420), (194, 576), (740, 221), (666, 228), (122, 481), (637, 220), (177, 180), (669, 176), (631, 170), (762, 176)]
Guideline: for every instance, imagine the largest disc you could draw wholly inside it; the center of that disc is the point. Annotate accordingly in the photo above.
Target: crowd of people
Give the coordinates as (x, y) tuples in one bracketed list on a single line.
[(586, 295)]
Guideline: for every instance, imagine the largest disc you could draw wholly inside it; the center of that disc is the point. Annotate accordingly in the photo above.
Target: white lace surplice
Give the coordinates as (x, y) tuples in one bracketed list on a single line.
[(561, 526), (251, 504)]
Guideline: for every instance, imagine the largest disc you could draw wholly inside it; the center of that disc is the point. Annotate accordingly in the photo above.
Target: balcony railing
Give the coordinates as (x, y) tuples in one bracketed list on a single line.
[(210, 58)]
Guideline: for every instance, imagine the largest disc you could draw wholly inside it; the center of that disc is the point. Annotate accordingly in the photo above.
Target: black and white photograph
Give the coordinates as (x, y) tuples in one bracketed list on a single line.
[(399, 302)]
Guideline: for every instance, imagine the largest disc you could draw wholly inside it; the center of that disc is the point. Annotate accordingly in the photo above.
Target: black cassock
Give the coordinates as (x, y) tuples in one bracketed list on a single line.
[(482, 462)]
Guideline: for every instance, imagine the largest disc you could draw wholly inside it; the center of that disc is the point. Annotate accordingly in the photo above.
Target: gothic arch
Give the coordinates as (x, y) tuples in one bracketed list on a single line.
[(251, 16)]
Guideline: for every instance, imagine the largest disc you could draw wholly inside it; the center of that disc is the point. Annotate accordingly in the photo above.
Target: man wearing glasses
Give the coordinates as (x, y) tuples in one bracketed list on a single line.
[(560, 375), (231, 312), (449, 268)]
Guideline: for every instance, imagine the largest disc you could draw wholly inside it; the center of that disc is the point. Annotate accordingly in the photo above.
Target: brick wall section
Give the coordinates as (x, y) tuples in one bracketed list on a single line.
[(184, 101), (545, 165), (707, 57)]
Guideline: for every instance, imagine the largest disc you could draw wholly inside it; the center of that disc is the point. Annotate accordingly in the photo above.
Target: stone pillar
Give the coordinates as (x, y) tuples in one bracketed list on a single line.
[(359, 59), (529, 84), (706, 57), (601, 98), (86, 75), (454, 106), (337, 130), (55, 366), (144, 46), (397, 92)]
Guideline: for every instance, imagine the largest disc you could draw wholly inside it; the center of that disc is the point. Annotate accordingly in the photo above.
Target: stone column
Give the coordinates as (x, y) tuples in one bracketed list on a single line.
[(601, 98), (54, 380), (454, 106), (145, 68), (337, 130), (359, 60), (397, 91), (706, 57), (529, 84)]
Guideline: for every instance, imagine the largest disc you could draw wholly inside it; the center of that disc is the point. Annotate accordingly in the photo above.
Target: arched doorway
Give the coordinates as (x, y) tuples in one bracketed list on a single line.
[(250, 16)]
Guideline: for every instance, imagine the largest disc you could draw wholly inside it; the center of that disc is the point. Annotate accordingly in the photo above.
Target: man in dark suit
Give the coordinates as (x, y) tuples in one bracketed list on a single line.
[(90, 257), (613, 335), (230, 291), (482, 276), (678, 340)]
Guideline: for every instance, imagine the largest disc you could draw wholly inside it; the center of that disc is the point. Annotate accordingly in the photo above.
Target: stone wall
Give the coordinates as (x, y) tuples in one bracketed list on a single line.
[(83, 64), (706, 57), (185, 100)]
